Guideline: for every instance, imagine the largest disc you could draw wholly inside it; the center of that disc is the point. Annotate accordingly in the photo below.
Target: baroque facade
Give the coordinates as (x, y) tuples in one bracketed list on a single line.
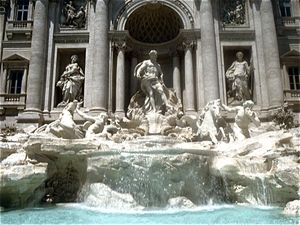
[(103, 41)]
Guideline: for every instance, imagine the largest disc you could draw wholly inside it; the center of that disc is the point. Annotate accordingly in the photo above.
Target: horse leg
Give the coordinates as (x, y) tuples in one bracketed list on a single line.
[(213, 137)]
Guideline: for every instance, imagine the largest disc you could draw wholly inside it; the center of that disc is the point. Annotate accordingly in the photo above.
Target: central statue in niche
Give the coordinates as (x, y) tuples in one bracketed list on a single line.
[(154, 96)]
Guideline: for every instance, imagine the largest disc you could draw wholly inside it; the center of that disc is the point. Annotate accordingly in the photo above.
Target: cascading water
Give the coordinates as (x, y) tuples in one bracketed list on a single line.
[(153, 179)]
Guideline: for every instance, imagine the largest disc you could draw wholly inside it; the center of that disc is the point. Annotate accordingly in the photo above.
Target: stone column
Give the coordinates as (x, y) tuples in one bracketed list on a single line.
[(120, 79), (36, 74), (176, 74), (3, 81), (274, 80), (99, 86), (209, 52), (133, 80), (189, 77)]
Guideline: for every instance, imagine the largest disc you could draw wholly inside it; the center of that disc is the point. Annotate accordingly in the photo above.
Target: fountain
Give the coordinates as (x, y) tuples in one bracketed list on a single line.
[(155, 158)]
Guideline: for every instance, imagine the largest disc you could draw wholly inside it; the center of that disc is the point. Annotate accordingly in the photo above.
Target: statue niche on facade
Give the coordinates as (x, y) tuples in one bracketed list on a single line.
[(239, 80), (71, 82), (73, 17), (233, 12), (154, 96)]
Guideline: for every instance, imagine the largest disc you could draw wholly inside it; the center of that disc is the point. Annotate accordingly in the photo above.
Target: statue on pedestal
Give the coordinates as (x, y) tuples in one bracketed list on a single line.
[(154, 100), (71, 82), (154, 96), (238, 79)]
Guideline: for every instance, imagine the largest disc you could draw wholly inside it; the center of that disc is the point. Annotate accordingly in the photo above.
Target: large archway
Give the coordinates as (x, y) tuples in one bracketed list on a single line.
[(142, 26)]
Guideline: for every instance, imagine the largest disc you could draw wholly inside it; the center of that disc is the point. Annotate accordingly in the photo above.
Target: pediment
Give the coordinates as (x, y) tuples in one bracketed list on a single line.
[(291, 54), (15, 58)]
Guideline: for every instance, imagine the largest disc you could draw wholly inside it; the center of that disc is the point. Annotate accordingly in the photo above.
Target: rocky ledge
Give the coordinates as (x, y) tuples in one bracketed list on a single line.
[(150, 172)]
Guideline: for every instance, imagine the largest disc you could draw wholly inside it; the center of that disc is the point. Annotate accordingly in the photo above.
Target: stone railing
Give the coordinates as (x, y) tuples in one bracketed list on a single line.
[(288, 21), (12, 100), (292, 95), (19, 27)]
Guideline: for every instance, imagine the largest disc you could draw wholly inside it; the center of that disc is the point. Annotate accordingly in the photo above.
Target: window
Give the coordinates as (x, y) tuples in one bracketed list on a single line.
[(15, 82), (285, 8), (294, 78), (22, 10)]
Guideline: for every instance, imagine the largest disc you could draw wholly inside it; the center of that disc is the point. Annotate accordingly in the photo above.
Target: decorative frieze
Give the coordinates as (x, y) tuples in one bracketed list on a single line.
[(74, 38), (245, 35)]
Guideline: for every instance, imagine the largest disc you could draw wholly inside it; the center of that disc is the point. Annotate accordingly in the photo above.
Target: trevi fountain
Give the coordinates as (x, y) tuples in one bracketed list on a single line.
[(155, 165)]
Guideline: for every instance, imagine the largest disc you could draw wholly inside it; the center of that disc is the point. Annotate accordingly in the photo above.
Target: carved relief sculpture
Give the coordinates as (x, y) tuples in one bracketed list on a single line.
[(73, 17), (238, 78), (71, 82), (233, 12)]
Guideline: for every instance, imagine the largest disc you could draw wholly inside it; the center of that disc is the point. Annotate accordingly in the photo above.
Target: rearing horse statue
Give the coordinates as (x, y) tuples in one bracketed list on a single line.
[(211, 127)]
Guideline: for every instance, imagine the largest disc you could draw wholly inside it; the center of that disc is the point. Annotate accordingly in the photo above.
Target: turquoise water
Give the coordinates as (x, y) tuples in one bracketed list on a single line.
[(79, 214)]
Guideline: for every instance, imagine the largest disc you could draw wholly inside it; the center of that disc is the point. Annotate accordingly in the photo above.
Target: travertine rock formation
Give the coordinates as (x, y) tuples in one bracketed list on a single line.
[(153, 171)]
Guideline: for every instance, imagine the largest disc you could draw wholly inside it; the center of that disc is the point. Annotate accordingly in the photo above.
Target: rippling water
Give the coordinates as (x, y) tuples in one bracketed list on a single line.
[(80, 214)]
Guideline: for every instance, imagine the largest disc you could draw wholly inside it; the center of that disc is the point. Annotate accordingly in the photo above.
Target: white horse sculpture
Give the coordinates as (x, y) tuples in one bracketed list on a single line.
[(212, 125)]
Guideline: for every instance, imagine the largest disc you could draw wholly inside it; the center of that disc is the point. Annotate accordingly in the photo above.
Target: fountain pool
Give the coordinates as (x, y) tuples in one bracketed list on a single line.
[(213, 214)]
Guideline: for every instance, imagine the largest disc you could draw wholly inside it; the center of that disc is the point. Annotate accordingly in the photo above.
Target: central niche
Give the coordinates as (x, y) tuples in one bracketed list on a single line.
[(154, 23)]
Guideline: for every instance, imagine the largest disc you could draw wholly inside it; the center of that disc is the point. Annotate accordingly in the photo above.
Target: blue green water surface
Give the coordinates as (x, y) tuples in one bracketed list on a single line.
[(79, 214)]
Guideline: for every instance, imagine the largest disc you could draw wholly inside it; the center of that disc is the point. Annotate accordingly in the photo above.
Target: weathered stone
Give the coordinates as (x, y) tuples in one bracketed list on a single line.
[(285, 138), (30, 129), (180, 203), (101, 196), (152, 170), (292, 208), (19, 183)]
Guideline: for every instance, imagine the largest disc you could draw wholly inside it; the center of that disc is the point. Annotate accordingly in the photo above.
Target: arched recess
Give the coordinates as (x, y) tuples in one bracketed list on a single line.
[(128, 50), (178, 6)]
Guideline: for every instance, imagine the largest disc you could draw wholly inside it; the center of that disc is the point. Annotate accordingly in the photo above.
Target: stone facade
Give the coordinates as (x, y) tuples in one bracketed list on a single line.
[(196, 42)]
